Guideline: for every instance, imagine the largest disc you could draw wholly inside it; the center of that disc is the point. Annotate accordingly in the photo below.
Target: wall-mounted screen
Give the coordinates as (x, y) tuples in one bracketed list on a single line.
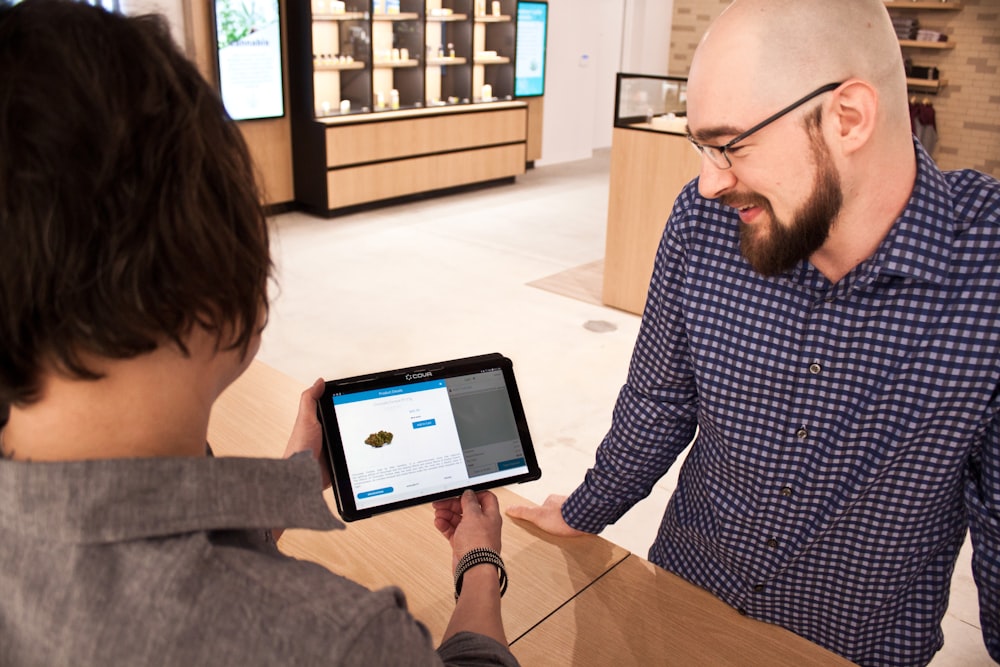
[(248, 33), (529, 75)]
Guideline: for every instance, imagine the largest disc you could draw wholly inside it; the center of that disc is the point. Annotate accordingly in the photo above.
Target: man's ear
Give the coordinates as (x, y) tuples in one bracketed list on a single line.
[(854, 109)]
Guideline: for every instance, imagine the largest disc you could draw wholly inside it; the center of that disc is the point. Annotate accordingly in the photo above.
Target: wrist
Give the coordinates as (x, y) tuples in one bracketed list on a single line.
[(481, 559)]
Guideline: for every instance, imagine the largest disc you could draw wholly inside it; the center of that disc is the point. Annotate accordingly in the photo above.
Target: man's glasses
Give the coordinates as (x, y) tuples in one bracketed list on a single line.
[(719, 155)]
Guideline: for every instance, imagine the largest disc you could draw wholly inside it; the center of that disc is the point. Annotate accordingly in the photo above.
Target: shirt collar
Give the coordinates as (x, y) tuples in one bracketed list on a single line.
[(112, 500), (919, 244)]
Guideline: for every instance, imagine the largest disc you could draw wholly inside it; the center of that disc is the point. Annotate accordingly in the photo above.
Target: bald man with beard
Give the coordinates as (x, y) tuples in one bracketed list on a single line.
[(823, 329)]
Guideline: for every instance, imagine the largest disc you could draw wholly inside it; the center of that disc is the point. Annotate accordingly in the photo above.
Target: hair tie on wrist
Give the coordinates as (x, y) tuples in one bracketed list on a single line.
[(480, 556)]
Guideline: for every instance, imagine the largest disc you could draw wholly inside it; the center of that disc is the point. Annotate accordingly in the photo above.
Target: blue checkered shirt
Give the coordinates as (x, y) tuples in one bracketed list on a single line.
[(847, 434)]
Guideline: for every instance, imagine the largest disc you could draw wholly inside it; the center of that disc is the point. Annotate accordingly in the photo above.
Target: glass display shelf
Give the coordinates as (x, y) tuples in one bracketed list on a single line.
[(344, 16), (651, 102), (402, 16)]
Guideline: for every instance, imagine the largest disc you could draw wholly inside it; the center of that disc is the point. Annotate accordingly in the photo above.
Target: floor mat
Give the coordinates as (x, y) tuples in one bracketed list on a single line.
[(583, 282)]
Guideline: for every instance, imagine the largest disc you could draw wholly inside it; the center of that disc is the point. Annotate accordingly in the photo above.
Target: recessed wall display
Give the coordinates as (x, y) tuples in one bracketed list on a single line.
[(529, 75), (248, 33)]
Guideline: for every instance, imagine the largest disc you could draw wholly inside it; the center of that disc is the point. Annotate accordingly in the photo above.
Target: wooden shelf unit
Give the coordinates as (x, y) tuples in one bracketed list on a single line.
[(345, 16), (929, 85), (928, 47), (402, 16), (921, 44), (407, 116)]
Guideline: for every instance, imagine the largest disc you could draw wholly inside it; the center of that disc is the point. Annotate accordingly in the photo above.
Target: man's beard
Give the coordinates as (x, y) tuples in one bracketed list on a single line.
[(774, 247)]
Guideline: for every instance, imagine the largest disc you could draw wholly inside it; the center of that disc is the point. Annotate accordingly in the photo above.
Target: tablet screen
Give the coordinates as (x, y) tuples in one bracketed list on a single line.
[(412, 435)]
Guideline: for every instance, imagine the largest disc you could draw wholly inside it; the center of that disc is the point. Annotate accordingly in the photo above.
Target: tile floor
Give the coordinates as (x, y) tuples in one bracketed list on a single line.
[(448, 277)]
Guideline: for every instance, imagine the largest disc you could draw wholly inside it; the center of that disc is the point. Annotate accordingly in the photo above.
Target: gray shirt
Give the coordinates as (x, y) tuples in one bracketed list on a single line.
[(164, 562)]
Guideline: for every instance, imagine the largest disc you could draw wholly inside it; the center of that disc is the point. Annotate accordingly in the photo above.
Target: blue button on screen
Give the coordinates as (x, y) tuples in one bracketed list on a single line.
[(424, 423), (375, 492), (512, 463)]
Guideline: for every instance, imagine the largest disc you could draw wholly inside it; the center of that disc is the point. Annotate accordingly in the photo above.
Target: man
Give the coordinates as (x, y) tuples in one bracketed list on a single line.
[(824, 314), (133, 283)]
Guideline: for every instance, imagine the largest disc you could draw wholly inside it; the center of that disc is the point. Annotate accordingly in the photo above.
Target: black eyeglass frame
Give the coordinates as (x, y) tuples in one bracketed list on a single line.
[(724, 149)]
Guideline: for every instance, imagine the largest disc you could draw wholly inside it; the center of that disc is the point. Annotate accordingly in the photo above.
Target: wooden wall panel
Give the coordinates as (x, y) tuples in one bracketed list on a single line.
[(536, 109)]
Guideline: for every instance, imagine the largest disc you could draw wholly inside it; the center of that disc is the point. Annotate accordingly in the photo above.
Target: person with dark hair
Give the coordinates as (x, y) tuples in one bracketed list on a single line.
[(822, 334), (133, 290)]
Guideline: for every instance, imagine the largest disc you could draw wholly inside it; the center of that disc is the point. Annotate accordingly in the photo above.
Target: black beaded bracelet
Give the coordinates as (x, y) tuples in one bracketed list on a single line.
[(481, 556)]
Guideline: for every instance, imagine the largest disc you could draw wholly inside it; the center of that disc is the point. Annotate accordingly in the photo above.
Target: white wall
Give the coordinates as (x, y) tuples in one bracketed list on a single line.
[(609, 17), (589, 41), (172, 10), (646, 48), (570, 81)]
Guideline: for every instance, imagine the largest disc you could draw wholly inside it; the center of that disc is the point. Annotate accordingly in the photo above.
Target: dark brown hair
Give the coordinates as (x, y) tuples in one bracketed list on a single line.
[(129, 211)]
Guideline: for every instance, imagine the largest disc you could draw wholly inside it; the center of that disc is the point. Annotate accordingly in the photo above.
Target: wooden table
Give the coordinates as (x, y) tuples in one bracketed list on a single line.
[(572, 601)]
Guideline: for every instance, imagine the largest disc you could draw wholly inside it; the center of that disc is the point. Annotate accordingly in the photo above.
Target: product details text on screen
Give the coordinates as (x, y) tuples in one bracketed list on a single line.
[(529, 75), (248, 33)]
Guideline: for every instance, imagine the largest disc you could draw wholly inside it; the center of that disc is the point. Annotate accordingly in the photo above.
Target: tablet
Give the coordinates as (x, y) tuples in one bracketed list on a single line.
[(412, 435)]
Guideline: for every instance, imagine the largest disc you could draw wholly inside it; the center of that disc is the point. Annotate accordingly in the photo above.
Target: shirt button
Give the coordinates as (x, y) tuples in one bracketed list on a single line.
[(786, 491), (801, 433), (742, 611), (758, 588), (772, 543), (815, 368)]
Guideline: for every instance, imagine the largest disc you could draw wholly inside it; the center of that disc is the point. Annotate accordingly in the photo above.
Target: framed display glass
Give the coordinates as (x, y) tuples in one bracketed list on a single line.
[(651, 102)]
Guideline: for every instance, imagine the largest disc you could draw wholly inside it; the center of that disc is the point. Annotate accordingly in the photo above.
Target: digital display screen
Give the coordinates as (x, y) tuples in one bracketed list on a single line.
[(529, 75), (410, 436), (248, 34), (444, 435)]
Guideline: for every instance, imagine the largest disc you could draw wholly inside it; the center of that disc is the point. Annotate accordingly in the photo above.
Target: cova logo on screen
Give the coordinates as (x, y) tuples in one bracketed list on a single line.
[(418, 376)]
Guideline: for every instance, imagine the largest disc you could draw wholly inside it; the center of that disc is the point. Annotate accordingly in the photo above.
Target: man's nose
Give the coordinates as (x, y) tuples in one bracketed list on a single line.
[(712, 181)]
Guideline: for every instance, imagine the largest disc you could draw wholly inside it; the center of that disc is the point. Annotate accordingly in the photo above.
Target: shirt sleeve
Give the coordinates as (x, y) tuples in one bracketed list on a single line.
[(468, 649), (394, 637), (655, 416), (982, 497)]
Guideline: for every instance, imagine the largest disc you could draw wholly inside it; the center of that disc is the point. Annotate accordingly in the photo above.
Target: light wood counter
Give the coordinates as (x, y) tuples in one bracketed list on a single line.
[(639, 614), (648, 171), (404, 549)]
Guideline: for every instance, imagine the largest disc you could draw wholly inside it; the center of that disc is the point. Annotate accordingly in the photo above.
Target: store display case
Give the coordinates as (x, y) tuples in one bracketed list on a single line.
[(494, 43), (377, 55), (397, 54), (340, 50), (651, 161), (650, 102), (393, 98), (449, 52)]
